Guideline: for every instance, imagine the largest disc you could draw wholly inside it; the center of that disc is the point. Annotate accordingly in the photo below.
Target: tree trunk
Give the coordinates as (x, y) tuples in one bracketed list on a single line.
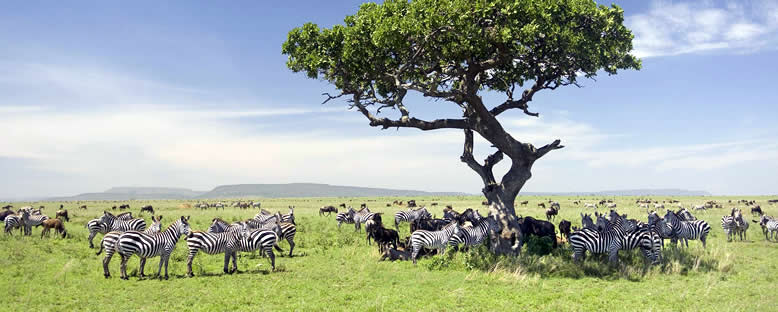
[(506, 238)]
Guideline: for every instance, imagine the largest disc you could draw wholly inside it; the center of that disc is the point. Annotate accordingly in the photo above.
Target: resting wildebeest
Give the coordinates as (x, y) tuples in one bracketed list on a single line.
[(147, 208), (532, 226), (564, 229), (328, 210)]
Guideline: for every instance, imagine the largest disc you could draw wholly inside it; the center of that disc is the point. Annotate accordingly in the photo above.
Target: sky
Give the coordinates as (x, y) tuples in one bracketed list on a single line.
[(97, 94)]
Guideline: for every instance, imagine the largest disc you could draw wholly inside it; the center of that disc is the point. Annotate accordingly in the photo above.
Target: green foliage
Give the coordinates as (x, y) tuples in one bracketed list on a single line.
[(422, 41), (537, 245)]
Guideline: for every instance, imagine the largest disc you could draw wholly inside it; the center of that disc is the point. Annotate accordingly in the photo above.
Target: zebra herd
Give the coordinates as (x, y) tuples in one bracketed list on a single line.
[(129, 236)]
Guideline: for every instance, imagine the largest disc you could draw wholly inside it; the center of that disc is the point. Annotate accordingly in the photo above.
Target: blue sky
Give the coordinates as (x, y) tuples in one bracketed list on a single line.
[(196, 94)]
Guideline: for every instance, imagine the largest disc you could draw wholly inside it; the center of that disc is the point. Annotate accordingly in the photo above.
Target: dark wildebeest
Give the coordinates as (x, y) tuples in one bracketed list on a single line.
[(147, 208), (434, 204), (5, 213), (542, 205), (342, 205), (62, 213), (327, 209), (524, 203), (55, 224), (113, 207), (564, 229), (756, 210), (485, 203), (82, 207), (531, 226), (428, 224), (412, 203), (551, 212)]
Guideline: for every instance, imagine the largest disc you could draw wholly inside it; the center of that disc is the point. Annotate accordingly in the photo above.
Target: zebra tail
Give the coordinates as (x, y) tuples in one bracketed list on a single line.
[(277, 248), (101, 249)]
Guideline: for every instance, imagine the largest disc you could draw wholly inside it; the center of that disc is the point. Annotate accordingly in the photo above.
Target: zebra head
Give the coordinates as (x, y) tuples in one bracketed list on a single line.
[(614, 215), (181, 226), (217, 226), (586, 221), (602, 223), (156, 225), (107, 217)]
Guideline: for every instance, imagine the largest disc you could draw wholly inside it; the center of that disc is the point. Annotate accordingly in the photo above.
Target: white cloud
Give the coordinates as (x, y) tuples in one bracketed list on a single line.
[(672, 28)]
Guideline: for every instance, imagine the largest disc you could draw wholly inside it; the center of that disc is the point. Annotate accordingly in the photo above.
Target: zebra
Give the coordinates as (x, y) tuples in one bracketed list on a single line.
[(124, 216), (148, 246), (433, 239), (729, 225), (262, 217), (109, 242), (288, 230), (219, 226), (11, 222), (448, 214), (29, 220), (620, 235), (412, 214), (362, 216), (259, 239), (345, 217), (741, 224), (768, 225), (288, 218), (685, 215), (586, 221), (95, 226), (475, 234), (215, 243), (686, 230), (658, 225), (642, 236), (116, 225)]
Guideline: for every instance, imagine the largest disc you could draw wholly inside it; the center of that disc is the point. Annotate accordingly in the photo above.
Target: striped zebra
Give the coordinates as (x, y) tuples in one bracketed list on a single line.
[(475, 234), (116, 225), (362, 216), (619, 235), (263, 240), (220, 226), (686, 230), (124, 216), (149, 246), (262, 217), (741, 225), (768, 225), (109, 243), (95, 226), (449, 214), (729, 225), (11, 222), (345, 217), (658, 225), (215, 243), (685, 215), (638, 235), (410, 215), (288, 218), (29, 220), (433, 239), (288, 230), (586, 221)]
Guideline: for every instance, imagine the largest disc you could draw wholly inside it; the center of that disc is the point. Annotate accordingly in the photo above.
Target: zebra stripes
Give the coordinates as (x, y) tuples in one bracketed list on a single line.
[(621, 234), (741, 226), (345, 217), (288, 218), (433, 239), (116, 225), (29, 220), (95, 226), (475, 234), (410, 215), (768, 225), (214, 243), (361, 216), (148, 246), (265, 218), (263, 240), (12, 222), (729, 226), (686, 230), (109, 243)]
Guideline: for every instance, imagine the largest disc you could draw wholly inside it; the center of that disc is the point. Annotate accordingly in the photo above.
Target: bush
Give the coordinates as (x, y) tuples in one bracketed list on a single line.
[(540, 245)]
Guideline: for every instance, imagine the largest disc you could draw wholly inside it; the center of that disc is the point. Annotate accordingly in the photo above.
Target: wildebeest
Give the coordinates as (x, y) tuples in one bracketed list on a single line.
[(396, 254), (485, 203), (428, 224), (62, 213), (524, 203), (542, 205), (610, 205), (531, 226), (124, 206), (55, 224), (756, 210), (551, 212), (564, 229), (327, 209), (382, 236), (147, 208), (82, 207), (342, 205), (363, 205), (5, 213)]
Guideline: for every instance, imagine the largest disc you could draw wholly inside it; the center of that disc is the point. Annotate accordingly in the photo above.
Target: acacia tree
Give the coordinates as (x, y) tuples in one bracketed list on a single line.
[(455, 51)]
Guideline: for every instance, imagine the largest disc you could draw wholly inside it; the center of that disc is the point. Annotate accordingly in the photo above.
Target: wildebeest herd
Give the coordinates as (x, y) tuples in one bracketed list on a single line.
[(600, 233)]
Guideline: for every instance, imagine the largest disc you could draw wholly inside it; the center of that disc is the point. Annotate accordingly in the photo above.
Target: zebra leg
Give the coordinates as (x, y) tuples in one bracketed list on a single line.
[(189, 260), (291, 246), (159, 270), (106, 261), (703, 239), (167, 259), (142, 267), (415, 253), (227, 257), (272, 257), (91, 236), (234, 255), (124, 267), (686, 241)]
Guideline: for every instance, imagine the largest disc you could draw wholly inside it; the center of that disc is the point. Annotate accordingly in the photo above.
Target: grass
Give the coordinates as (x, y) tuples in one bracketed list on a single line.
[(335, 270)]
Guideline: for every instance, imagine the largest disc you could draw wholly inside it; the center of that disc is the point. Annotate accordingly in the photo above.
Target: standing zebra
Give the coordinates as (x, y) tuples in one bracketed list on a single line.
[(613, 237), (219, 226), (109, 243), (264, 240), (29, 220), (116, 225), (95, 226), (288, 218), (433, 239), (362, 216), (685, 215), (148, 246), (768, 225), (214, 243), (345, 217), (14, 221), (729, 226), (686, 230), (288, 230), (742, 225), (475, 234), (262, 217), (413, 214), (658, 225)]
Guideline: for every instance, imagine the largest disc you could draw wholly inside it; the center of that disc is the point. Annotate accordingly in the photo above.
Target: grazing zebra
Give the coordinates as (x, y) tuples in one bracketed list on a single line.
[(95, 226), (345, 217), (412, 214), (686, 230), (30, 220), (264, 240), (475, 234), (729, 225), (433, 239), (148, 246), (109, 243), (11, 222), (362, 216), (768, 225), (215, 243), (116, 225)]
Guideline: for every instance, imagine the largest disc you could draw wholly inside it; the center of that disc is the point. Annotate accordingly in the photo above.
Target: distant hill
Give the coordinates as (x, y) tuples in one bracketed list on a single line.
[(310, 190), (636, 192), (248, 190)]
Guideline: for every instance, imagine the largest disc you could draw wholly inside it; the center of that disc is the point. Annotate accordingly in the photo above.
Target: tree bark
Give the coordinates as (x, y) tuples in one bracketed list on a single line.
[(506, 238)]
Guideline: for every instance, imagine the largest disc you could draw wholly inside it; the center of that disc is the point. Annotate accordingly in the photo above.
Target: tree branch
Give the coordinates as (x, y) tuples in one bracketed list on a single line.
[(467, 157), (547, 148), (405, 121)]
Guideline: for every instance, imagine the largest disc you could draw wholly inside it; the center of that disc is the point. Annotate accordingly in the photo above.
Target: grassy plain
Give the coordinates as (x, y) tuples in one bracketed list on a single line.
[(335, 269)]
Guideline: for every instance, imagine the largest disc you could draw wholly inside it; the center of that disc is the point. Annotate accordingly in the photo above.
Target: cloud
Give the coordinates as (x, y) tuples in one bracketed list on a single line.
[(671, 28)]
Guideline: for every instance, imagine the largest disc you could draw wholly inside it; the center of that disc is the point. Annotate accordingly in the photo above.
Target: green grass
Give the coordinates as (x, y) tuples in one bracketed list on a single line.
[(335, 269)]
